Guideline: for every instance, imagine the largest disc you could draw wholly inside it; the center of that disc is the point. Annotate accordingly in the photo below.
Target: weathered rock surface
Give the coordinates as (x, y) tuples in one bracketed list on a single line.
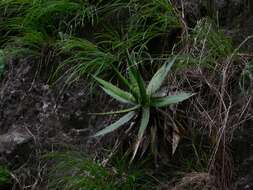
[(15, 137), (33, 113), (36, 119), (15, 145)]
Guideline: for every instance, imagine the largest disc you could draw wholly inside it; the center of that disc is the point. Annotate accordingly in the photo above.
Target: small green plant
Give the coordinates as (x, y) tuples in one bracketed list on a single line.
[(208, 46), (246, 78), (209, 36), (85, 57), (4, 177), (73, 170), (141, 98)]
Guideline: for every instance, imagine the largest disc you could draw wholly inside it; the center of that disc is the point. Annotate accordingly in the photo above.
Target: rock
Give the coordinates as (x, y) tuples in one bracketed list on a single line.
[(31, 107), (15, 138), (245, 183)]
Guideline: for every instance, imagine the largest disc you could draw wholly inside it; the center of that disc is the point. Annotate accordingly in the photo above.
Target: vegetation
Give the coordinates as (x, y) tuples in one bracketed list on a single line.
[(198, 94), (142, 99), (245, 82), (39, 28), (5, 177), (90, 174)]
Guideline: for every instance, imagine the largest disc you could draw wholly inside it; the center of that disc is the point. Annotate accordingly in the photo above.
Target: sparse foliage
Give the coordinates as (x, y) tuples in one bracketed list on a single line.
[(5, 177)]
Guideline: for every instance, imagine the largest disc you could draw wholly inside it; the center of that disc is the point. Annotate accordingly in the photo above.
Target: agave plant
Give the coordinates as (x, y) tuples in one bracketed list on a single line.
[(141, 98)]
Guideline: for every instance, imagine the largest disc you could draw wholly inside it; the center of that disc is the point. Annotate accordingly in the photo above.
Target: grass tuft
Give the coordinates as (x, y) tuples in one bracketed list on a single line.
[(73, 170)]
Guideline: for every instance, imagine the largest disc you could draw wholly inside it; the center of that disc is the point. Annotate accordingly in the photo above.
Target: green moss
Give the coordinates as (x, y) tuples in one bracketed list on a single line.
[(5, 177)]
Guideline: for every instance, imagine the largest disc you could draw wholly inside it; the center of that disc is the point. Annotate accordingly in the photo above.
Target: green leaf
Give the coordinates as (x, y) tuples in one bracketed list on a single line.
[(117, 112), (143, 126), (137, 82), (133, 79), (123, 120), (121, 77), (165, 101), (143, 95), (117, 97), (116, 92), (159, 77), (132, 71)]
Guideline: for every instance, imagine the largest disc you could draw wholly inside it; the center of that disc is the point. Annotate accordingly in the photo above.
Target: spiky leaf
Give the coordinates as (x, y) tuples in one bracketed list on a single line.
[(123, 120), (116, 92), (137, 82), (118, 112), (159, 77), (144, 123), (165, 101)]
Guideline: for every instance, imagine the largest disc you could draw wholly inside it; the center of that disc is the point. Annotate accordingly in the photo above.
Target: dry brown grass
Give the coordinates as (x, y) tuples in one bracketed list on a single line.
[(218, 109), (196, 181)]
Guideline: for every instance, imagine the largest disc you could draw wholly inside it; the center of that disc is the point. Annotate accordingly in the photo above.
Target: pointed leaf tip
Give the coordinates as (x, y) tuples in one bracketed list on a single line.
[(144, 123), (123, 120), (158, 78), (168, 100), (116, 92)]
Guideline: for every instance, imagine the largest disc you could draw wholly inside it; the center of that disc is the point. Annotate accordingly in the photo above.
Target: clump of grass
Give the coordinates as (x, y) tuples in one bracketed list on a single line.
[(33, 27), (206, 45), (157, 15), (48, 16), (30, 43), (73, 170), (210, 37), (83, 58)]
